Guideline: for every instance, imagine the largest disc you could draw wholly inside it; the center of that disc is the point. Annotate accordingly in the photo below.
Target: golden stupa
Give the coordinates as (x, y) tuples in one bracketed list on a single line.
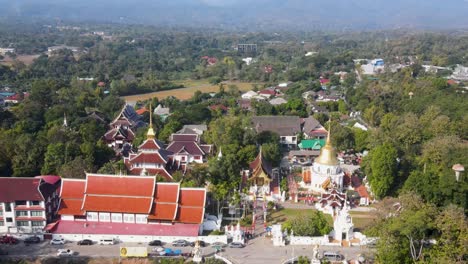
[(150, 134), (327, 153)]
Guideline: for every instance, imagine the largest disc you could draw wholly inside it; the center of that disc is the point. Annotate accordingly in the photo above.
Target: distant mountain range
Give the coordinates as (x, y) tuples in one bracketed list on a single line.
[(252, 14)]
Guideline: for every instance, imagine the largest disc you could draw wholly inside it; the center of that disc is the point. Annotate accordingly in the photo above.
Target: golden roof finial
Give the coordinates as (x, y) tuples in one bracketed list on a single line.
[(150, 134)]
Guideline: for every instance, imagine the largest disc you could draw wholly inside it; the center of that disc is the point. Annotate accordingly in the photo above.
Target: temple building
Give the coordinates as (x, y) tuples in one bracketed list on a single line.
[(187, 148), (127, 209), (122, 129), (325, 173), (261, 179), (151, 159)]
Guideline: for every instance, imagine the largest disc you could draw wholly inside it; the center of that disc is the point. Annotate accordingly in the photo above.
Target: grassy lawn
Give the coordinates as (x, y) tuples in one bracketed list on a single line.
[(288, 213), (191, 86)]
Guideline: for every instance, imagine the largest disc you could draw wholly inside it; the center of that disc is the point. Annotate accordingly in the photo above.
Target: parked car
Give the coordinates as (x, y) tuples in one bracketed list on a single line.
[(236, 245), (218, 245), (8, 240), (32, 240), (65, 253), (155, 243), (200, 242), (180, 243), (57, 241), (85, 242), (332, 256)]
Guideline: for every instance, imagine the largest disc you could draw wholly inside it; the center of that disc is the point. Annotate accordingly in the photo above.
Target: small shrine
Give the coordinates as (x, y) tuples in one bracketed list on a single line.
[(277, 236), (235, 232), (343, 227)]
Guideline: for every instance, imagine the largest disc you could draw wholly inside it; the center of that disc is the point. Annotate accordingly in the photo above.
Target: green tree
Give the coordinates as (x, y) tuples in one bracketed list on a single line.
[(272, 153), (54, 158), (381, 168)]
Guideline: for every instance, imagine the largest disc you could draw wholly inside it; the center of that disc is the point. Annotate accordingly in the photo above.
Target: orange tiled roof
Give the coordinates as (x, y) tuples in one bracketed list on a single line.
[(150, 157), (163, 211), (192, 205), (117, 204), (167, 192), (119, 185), (71, 194)]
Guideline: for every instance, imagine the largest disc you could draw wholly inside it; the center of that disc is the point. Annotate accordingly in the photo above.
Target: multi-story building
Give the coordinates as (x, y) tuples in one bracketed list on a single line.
[(27, 204)]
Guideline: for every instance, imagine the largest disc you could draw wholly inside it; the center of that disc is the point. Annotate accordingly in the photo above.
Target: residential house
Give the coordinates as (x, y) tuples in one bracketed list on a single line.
[(128, 208), (53, 49), (28, 204), (245, 104), (311, 144), (283, 87), (268, 92), (15, 98), (162, 112), (4, 51), (278, 101), (313, 129), (249, 95), (373, 67), (460, 73), (287, 127)]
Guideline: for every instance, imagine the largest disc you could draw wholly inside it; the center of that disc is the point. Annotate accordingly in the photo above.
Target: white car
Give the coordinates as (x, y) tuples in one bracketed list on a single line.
[(57, 241), (65, 252)]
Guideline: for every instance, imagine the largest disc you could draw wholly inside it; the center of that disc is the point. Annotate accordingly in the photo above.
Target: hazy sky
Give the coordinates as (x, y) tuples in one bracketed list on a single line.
[(263, 14)]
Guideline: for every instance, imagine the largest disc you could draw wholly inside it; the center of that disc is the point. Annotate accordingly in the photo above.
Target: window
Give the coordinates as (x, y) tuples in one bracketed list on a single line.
[(141, 219), (20, 203), (21, 213), (197, 157), (183, 158), (104, 217), (2, 223), (36, 213), (36, 203), (7, 207), (117, 218), (129, 218), (22, 223), (283, 138), (92, 216), (293, 138), (37, 223)]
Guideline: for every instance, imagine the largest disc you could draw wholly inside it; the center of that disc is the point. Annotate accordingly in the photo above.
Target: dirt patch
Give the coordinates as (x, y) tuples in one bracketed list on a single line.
[(26, 59), (187, 93)]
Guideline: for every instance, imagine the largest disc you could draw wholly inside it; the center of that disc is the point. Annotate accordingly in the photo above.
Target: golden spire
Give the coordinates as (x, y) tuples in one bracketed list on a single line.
[(150, 134), (327, 153)]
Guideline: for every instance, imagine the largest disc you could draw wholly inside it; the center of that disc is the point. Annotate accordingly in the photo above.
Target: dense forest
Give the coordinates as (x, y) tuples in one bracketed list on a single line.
[(418, 122)]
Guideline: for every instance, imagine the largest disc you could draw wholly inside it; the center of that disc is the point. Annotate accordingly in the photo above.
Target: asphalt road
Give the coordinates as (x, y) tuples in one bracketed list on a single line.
[(258, 250)]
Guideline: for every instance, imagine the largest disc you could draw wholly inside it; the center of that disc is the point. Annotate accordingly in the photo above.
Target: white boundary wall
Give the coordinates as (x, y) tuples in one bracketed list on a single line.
[(141, 239)]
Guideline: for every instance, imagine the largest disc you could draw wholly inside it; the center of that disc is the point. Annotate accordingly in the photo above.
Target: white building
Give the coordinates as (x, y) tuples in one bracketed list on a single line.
[(249, 95), (343, 227)]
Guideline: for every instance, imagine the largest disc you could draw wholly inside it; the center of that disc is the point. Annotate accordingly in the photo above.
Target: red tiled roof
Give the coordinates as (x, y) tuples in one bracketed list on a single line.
[(192, 197), (190, 147), (141, 111), (72, 188), (192, 205), (118, 193), (50, 179), (268, 91), (184, 137), (71, 195), (150, 144), (102, 228), (192, 215), (163, 211), (148, 157), (166, 197), (167, 192), (71, 207), (120, 185), (152, 172), (14, 189), (117, 204), (362, 191), (324, 81)]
